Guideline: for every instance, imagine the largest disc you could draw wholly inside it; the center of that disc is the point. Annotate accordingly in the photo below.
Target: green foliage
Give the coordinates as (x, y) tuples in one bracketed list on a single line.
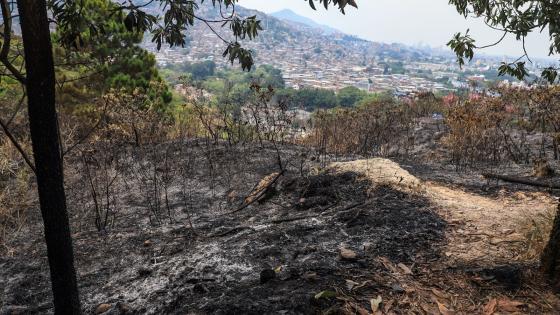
[(266, 75), (214, 85), (393, 68), (516, 69), (136, 68), (350, 96), (326, 3), (197, 71), (104, 60), (311, 98), (213, 80), (549, 74), (171, 29), (463, 46)]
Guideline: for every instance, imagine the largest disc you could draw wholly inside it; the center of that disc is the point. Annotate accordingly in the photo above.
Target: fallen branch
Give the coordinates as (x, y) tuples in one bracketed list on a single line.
[(519, 180), (256, 195)]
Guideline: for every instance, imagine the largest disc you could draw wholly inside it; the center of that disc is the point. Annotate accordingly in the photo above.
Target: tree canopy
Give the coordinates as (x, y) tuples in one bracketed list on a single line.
[(111, 59), (350, 96)]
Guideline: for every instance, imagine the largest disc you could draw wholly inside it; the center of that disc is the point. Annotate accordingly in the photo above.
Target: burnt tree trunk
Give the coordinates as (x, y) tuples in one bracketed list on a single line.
[(550, 259), (43, 123)]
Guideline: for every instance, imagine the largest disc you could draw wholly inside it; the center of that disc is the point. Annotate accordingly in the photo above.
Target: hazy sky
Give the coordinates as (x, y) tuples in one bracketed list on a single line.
[(432, 22)]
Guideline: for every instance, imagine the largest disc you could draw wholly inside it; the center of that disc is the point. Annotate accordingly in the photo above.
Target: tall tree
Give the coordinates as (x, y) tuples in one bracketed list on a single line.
[(350, 96), (106, 60), (40, 85)]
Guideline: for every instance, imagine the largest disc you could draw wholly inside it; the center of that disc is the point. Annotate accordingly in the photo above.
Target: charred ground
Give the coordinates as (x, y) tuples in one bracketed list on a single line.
[(320, 240)]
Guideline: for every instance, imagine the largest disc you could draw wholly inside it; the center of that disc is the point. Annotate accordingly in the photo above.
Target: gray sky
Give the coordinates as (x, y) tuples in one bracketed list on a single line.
[(432, 22)]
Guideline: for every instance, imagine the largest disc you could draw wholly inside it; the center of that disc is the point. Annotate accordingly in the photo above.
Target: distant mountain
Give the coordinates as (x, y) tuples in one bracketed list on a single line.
[(289, 15)]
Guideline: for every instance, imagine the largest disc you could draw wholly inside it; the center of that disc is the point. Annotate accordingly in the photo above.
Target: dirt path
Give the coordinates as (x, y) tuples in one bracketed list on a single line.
[(484, 232), (482, 223), (492, 229)]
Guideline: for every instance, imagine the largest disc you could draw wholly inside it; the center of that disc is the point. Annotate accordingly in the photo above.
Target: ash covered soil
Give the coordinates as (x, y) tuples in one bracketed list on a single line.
[(339, 238)]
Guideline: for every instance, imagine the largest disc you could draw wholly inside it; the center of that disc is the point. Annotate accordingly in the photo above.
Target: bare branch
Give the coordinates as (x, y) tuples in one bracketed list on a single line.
[(4, 52), (494, 44), (16, 144), (19, 106)]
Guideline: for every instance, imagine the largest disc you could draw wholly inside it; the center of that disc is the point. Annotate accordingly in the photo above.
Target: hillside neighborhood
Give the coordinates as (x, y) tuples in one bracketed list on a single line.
[(305, 53)]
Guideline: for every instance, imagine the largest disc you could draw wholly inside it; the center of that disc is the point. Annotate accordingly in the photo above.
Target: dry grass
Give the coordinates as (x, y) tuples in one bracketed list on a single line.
[(380, 128), (15, 196)]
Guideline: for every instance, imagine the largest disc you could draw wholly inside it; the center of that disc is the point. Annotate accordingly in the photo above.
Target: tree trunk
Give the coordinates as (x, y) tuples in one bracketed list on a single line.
[(550, 259), (46, 151)]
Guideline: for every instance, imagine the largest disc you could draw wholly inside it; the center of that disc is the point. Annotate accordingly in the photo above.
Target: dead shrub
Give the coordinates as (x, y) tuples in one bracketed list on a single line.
[(483, 131), (378, 128)]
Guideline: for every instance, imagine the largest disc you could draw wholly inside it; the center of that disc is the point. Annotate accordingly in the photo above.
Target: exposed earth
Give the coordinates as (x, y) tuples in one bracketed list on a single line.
[(367, 236)]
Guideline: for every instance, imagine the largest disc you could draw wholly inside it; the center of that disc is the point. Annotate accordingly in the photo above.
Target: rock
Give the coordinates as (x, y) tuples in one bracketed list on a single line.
[(147, 243), (267, 275), (103, 308), (310, 276), (348, 254)]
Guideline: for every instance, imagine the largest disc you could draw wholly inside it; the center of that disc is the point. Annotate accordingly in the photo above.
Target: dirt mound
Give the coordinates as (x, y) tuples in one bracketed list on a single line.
[(486, 221), (381, 172)]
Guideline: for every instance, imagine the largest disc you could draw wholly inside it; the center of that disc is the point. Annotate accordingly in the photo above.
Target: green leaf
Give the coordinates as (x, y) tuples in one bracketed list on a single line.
[(550, 74)]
